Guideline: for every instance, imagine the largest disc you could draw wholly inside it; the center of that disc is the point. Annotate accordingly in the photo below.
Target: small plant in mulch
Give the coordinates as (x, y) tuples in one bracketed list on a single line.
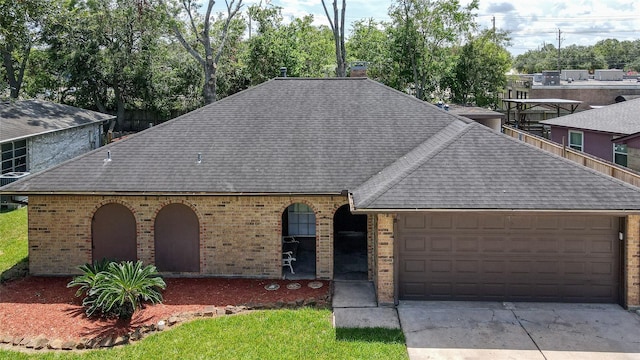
[(117, 289)]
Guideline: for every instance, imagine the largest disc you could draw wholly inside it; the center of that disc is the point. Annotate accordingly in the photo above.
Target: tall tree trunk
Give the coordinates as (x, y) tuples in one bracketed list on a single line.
[(14, 80), (211, 58), (120, 108), (337, 27)]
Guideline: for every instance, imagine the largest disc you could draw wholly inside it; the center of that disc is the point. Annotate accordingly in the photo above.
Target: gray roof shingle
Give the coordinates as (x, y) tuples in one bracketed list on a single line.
[(286, 135), (313, 136), (482, 169), (619, 118), (23, 118)]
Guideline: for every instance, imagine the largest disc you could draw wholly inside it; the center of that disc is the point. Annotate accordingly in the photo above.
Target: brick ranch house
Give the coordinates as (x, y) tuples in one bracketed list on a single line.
[(436, 206)]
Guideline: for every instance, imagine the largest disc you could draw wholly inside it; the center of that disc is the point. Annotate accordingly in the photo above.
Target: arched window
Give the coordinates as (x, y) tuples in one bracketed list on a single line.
[(113, 233), (299, 242), (301, 220), (177, 239)]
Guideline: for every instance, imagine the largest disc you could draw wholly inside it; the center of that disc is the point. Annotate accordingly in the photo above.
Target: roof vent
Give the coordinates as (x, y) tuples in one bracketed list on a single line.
[(199, 161), (108, 159), (283, 72)]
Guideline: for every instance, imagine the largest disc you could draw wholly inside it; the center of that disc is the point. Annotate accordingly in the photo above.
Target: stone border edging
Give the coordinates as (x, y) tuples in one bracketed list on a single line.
[(40, 342)]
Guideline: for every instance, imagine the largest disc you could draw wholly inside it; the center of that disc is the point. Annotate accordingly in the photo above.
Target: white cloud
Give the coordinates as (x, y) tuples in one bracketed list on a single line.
[(532, 23)]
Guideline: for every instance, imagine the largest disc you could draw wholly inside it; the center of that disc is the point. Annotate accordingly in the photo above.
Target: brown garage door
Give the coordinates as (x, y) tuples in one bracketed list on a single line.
[(516, 258)]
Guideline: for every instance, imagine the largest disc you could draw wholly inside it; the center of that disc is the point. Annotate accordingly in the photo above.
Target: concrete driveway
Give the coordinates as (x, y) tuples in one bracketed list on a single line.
[(472, 330)]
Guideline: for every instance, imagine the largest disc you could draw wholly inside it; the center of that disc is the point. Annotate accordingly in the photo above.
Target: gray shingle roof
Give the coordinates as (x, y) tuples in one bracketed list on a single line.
[(620, 118), (327, 135), (19, 119), (482, 169), (286, 135)]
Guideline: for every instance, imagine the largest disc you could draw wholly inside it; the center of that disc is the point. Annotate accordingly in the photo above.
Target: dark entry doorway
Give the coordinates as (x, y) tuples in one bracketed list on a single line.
[(349, 245), (177, 239), (113, 234)]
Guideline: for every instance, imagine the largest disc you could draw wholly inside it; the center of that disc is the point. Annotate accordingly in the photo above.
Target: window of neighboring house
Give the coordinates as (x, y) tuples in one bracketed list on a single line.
[(576, 140), (14, 156), (620, 154), (302, 220)]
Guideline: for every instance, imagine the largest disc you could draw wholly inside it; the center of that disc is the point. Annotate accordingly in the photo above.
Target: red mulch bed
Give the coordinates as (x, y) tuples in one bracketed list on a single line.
[(36, 306)]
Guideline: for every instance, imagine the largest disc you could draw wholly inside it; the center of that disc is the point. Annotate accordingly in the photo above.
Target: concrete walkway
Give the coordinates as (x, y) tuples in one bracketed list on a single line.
[(477, 330), (355, 306)]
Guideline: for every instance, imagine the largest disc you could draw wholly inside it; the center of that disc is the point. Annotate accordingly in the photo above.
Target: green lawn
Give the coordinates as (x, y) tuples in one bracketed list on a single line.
[(13, 239), (274, 334)]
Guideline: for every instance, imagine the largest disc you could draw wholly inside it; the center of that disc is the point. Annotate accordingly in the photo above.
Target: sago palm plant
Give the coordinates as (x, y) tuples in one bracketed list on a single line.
[(121, 289)]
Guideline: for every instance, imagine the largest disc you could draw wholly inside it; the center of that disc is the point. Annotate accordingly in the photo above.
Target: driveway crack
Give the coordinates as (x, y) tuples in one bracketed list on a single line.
[(528, 334)]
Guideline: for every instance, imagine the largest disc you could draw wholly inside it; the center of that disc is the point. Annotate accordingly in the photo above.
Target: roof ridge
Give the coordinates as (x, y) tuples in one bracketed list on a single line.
[(408, 163)]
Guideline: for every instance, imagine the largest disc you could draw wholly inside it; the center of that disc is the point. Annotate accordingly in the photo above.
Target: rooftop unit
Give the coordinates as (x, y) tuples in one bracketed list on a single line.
[(8, 200), (609, 75)]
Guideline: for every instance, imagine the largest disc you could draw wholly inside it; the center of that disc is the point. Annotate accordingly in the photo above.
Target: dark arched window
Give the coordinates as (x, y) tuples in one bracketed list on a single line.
[(177, 239), (113, 233)]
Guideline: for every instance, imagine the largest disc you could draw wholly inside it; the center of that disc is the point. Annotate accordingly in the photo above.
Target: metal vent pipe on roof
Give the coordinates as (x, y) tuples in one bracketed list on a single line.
[(283, 72)]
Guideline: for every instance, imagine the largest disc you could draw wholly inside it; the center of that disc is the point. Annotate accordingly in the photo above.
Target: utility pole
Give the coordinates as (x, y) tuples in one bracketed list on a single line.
[(559, 43)]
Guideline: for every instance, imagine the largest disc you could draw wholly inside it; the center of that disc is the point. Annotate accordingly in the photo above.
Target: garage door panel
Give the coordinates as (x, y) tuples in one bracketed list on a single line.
[(466, 243), (492, 222), (546, 222), (440, 244), (602, 246), (493, 267), (535, 263), (466, 222), (574, 223), (603, 268), (547, 245), (440, 221), (414, 266), (414, 222), (604, 223), (492, 244), (415, 243)]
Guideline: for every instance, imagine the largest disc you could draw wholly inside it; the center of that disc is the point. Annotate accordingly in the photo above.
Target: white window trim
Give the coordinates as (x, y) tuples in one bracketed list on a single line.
[(581, 137), (619, 153), (294, 218)]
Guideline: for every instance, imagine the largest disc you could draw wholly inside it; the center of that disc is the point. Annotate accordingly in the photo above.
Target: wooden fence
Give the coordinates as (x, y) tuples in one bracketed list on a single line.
[(590, 161)]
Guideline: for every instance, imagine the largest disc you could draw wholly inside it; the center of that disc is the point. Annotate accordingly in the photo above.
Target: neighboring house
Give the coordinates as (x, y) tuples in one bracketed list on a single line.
[(589, 90), (610, 132), (35, 134), (489, 118), (437, 206)]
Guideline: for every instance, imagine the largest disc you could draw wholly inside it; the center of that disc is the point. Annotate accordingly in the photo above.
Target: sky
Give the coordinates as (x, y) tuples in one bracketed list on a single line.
[(531, 23)]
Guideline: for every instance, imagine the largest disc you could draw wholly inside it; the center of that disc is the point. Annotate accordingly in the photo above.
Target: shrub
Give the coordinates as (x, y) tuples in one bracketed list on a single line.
[(119, 289), (87, 280)]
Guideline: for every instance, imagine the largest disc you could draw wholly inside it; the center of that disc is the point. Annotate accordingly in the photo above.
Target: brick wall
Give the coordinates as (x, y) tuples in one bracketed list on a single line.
[(632, 262), (240, 235), (384, 259)]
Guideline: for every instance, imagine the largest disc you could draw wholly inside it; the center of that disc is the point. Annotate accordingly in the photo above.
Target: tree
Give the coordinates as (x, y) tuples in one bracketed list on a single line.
[(424, 32), (536, 61), (337, 27), (302, 48), (209, 40), (370, 42), (480, 72), (20, 28)]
